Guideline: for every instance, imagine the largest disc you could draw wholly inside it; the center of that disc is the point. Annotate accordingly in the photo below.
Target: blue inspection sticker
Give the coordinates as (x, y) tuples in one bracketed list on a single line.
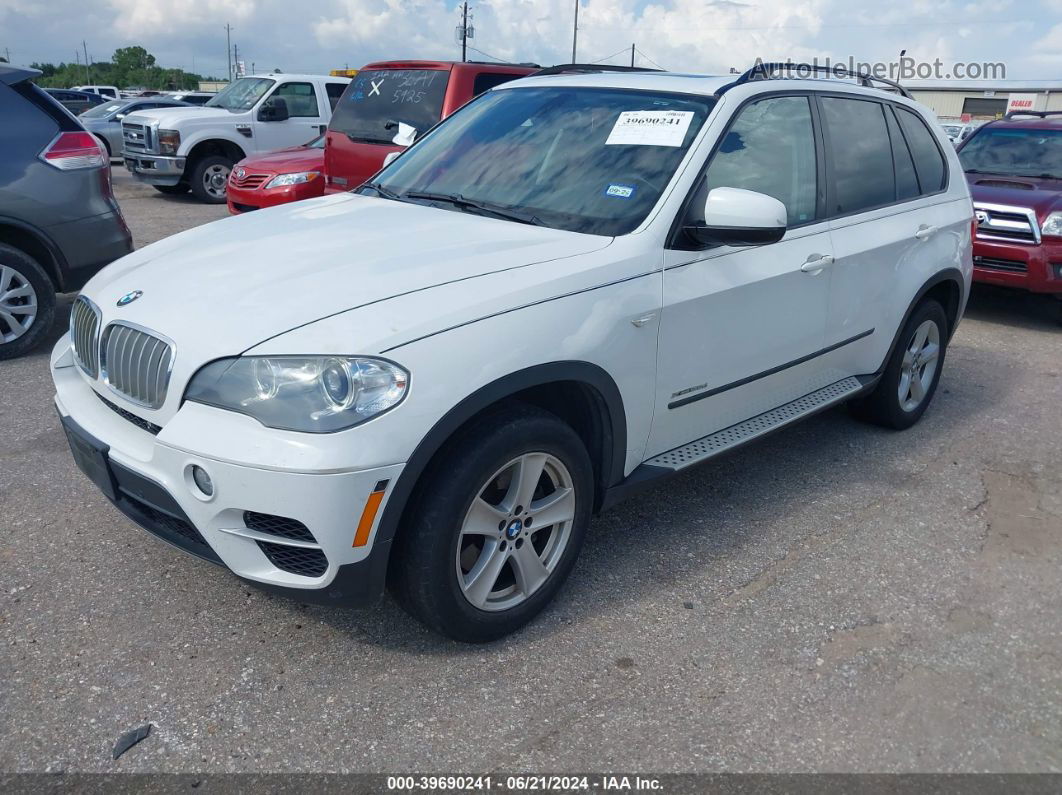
[(618, 191)]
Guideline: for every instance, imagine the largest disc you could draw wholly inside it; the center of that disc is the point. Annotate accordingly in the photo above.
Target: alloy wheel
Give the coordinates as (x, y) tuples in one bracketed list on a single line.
[(18, 304), (919, 365), (515, 532)]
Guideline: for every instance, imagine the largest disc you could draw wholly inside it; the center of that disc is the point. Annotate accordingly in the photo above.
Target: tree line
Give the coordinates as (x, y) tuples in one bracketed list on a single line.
[(129, 67)]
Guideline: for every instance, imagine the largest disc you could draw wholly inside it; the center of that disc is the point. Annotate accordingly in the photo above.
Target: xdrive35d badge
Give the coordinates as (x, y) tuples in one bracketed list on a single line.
[(128, 298)]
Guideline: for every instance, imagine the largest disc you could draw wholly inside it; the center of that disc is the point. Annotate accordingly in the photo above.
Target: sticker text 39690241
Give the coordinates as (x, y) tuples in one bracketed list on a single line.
[(650, 128)]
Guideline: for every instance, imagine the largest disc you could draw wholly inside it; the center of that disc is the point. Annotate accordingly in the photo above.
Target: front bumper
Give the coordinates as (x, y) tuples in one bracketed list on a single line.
[(242, 200), (147, 476), (155, 169), (1036, 268)]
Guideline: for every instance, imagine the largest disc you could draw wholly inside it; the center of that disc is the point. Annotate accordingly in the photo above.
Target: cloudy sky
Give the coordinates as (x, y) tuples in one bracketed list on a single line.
[(692, 35)]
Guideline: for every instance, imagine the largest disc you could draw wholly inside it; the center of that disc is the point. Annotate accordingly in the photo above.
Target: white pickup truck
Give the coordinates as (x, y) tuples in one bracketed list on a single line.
[(196, 149)]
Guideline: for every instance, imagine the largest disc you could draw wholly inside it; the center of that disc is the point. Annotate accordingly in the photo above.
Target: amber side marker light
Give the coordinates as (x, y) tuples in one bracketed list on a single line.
[(368, 515)]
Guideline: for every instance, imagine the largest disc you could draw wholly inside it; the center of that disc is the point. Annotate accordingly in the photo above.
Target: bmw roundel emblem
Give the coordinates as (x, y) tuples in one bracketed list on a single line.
[(128, 298)]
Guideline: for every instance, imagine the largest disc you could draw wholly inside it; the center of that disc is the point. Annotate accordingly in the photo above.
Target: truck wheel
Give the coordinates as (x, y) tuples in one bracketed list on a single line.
[(27, 302), (210, 175), (912, 373), (172, 190), (496, 526)]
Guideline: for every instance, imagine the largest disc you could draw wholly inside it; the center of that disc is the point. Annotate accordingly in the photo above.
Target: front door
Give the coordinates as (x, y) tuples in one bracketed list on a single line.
[(308, 115), (741, 327)]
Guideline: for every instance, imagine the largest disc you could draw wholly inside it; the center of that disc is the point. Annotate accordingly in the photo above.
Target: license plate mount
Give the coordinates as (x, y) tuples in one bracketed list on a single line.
[(90, 455)]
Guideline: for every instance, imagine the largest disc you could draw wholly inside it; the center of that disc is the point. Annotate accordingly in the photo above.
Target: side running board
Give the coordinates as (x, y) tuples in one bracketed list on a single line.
[(736, 435)]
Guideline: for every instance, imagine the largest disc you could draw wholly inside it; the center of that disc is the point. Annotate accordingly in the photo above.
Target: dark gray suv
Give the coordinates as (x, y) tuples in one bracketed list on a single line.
[(59, 220)]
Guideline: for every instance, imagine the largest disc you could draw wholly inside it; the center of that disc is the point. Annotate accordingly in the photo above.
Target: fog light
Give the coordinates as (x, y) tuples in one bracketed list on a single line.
[(202, 480)]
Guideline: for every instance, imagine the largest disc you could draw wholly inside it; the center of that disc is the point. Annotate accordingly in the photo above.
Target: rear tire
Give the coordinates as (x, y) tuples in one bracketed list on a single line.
[(27, 302), (913, 371), (210, 177), (472, 562), (173, 190)]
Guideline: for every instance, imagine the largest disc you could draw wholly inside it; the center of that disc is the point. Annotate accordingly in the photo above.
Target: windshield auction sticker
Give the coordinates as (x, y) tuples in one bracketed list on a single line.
[(650, 128)]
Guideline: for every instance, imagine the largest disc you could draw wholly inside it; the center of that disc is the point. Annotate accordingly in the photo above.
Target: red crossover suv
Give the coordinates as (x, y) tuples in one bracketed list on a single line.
[(388, 98), (1014, 167), (286, 175)]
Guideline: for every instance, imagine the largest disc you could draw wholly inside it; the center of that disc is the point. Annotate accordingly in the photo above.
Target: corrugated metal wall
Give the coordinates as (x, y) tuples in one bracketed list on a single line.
[(948, 104)]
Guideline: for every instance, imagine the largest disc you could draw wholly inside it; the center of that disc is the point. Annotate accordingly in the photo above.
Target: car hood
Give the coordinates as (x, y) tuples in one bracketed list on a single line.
[(1042, 195), (166, 117), (225, 287), (286, 161)]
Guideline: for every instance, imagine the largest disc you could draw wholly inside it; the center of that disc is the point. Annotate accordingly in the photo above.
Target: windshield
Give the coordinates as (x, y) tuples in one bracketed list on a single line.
[(377, 99), (241, 94), (1018, 153), (582, 159), (106, 109)]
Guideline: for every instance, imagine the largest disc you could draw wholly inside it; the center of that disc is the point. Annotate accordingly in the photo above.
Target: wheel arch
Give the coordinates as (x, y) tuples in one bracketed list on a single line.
[(215, 146), (36, 244), (580, 393), (948, 288)]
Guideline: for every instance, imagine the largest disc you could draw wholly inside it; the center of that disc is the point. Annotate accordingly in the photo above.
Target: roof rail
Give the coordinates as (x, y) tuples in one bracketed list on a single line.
[(1038, 114), (766, 71), (583, 68)]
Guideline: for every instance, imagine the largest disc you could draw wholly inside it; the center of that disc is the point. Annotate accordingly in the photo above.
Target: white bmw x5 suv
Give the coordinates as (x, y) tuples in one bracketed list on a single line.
[(573, 287)]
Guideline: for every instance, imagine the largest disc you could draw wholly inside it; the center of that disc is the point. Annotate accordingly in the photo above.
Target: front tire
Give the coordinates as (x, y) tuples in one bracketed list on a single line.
[(911, 376), (496, 525), (27, 302), (210, 178)]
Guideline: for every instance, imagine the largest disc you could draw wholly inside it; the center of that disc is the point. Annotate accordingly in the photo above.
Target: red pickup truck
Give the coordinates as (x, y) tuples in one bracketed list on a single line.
[(1014, 168), (388, 98)]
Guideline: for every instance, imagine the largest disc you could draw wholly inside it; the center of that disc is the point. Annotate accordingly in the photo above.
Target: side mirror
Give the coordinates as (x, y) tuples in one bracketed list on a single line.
[(391, 157), (118, 117), (273, 109), (737, 217)]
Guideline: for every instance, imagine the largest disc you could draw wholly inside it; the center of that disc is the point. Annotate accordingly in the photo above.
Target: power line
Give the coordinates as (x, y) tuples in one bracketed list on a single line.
[(650, 60), (618, 52), (495, 57)]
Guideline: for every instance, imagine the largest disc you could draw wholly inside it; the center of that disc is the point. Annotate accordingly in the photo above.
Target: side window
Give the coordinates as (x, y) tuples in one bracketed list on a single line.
[(927, 158), (769, 148), (861, 153), (485, 81), (906, 181), (300, 98), (335, 91)]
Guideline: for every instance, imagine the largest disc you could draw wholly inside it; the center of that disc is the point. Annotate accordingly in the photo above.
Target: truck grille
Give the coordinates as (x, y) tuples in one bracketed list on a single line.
[(136, 364), (1012, 224), (997, 264), (84, 334), (136, 137)]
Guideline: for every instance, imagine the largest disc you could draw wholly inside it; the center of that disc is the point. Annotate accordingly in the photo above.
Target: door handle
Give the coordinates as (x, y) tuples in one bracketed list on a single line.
[(925, 232), (816, 262)]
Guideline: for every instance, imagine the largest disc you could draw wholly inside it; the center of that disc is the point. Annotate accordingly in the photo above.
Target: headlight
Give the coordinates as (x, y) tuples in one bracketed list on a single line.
[(314, 394), (293, 179), (1053, 225), (169, 142)]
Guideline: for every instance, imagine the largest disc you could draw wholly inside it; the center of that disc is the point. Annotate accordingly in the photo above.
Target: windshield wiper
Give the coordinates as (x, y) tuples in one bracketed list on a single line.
[(386, 193), (459, 201)]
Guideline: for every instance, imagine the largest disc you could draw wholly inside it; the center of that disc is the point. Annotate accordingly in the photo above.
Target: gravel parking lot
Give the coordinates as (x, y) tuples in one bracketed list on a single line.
[(837, 597)]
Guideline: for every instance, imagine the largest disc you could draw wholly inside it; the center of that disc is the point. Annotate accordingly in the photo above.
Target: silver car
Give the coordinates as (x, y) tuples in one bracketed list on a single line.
[(106, 120)]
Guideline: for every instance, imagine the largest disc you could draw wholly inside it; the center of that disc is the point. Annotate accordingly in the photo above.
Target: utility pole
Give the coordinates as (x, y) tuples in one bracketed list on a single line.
[(7, 54), (464, 31), (228, 48), (575, 31), (632, 55), (88, 76)]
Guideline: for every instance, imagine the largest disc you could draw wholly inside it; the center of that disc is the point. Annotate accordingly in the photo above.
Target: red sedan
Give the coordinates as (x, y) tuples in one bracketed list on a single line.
[(286, 175)]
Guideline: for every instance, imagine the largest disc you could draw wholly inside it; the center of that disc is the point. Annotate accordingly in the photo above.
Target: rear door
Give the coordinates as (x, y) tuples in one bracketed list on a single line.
[(307, 116), (886, 187), (365, 120)]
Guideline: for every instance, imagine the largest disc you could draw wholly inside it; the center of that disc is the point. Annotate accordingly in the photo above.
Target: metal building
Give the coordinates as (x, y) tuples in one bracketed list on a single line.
[(973, 100)]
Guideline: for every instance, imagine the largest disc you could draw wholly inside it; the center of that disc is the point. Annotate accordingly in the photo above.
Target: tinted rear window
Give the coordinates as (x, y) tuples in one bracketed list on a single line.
[(374, 99), (861, 153), (927, 158)]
